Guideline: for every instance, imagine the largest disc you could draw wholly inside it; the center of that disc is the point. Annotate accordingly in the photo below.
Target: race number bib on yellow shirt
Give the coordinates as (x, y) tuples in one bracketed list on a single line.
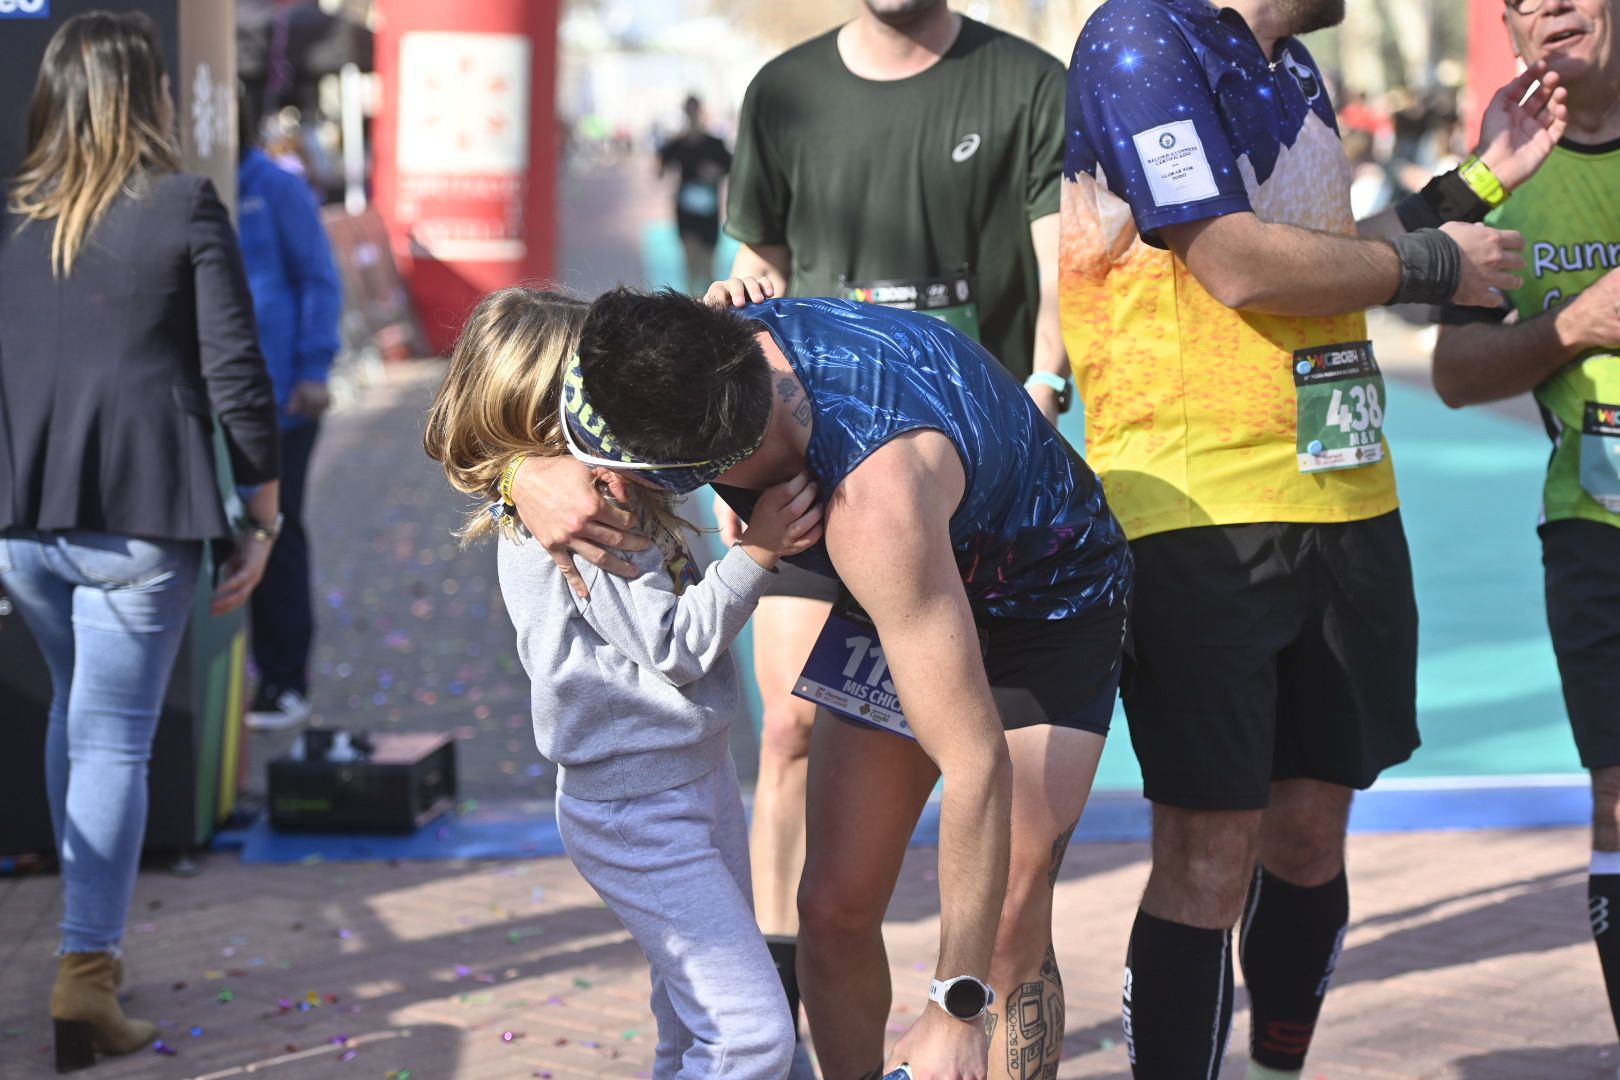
[(1341, 407)]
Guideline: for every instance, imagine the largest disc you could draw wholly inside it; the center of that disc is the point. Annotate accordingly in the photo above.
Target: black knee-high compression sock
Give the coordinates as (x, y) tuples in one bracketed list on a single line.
[(785, 955), (1288, 946), (1603, 905), (1178, 999)]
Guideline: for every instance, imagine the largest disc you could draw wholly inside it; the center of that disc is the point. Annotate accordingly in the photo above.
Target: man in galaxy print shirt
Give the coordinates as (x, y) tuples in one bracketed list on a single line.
[(1213, 290)]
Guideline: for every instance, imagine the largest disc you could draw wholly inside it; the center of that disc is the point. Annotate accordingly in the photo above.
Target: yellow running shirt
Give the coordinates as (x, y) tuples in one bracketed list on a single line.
[(1197, 414)]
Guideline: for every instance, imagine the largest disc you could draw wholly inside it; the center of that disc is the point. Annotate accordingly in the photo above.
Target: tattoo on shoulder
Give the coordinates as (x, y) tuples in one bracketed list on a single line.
[(786, 387), (802, 413)]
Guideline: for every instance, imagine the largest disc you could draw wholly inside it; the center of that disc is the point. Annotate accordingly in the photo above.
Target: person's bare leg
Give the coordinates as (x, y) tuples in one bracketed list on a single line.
[(785, 628), (1052, 773), (866, 790), (1178, 971), (1201, 865), (699, 263), (1302, 831)]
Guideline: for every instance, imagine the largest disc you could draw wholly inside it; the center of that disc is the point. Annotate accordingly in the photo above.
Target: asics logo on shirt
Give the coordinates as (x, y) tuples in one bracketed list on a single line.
[(965, 149)]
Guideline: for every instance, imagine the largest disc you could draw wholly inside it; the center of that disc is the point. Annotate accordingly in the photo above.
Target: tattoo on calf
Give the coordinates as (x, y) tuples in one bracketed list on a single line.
[(1060, 847), (1034, 1028)]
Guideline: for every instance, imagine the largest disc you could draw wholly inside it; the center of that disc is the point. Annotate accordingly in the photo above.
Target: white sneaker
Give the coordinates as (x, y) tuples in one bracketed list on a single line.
[(292, 709)]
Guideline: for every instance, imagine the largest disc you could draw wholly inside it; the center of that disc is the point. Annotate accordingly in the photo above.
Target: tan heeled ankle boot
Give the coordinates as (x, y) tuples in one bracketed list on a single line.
[(88, 1019)]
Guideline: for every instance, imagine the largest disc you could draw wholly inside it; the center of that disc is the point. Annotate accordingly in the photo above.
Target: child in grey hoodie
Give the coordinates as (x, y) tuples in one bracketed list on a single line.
[(633, 691)]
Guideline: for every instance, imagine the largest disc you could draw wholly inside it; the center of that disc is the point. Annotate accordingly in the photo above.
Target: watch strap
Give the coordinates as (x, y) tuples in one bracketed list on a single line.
[(1060, 386), (1055, 383), (938, 990), (261, 532)]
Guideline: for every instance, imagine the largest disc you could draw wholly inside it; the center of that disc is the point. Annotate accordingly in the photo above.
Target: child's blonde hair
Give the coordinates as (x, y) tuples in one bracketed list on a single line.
[(499, 400)]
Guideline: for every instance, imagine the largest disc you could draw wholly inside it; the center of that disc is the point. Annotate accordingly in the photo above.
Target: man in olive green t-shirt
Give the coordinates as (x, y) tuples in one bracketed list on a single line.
[(1561, 340), (911, 158)]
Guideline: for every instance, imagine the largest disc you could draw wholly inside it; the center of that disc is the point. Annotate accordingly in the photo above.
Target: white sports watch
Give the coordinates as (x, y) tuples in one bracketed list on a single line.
[(964, 997)]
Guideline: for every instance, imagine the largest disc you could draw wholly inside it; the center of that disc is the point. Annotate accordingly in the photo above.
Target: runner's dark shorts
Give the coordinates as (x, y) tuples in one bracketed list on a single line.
[(706, 227), (1582, 561), (1270, 652), (791, 580), (1062, 672)]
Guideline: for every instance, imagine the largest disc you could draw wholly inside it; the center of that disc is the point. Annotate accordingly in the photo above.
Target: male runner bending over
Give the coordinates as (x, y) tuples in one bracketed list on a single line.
[(997, 582)]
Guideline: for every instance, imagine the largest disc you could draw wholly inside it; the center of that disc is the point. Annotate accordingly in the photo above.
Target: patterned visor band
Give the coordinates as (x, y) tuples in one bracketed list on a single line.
[(590, 442)]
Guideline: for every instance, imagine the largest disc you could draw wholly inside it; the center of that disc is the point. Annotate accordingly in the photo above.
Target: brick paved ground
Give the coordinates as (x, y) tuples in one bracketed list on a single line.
[(1468, 957)]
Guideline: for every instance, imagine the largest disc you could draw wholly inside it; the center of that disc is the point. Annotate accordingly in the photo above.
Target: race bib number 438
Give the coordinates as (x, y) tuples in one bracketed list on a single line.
[(1341, 407)]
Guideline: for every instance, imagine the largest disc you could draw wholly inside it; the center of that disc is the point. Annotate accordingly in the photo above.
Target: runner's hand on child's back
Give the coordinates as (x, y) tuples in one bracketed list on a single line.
[(786, 520)]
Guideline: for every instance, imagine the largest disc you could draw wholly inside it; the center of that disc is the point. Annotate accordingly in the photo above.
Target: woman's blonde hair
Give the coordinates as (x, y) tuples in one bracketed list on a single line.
[(97, 123), (499, 399)]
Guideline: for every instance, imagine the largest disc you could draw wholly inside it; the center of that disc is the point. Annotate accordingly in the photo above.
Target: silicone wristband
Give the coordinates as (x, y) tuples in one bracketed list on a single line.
[(1482, 182)]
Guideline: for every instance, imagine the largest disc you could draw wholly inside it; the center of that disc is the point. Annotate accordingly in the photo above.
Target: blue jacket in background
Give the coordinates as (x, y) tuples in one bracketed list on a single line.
[(297, 294)]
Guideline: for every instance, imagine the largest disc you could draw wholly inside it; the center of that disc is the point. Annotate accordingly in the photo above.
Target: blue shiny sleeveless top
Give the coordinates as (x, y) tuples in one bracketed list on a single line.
[(1034, 538)]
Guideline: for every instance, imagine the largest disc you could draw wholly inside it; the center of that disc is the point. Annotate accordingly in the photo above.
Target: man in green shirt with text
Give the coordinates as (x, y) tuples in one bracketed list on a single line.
[(1560, 337)]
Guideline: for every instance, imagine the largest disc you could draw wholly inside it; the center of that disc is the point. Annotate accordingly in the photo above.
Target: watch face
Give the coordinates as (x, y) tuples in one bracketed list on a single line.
[(965, 999)]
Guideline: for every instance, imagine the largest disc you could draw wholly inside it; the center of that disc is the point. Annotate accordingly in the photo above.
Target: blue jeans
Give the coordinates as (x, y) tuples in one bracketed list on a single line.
[(121, 603)]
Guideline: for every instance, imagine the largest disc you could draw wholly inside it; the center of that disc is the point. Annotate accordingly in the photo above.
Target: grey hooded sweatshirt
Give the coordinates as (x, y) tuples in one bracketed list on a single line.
[(633, 689)]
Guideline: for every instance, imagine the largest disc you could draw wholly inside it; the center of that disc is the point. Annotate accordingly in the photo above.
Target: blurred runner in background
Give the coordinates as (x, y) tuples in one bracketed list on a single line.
[(1560, 337), (703, 161), (909, 158), (1214, 284)]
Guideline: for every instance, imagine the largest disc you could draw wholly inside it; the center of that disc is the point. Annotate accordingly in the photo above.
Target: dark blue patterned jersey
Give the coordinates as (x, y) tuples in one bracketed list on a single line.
[(1033, 534)]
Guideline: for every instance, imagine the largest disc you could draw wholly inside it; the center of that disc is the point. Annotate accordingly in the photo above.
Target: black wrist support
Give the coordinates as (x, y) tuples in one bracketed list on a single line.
[(1431, 267), (1445, 198)]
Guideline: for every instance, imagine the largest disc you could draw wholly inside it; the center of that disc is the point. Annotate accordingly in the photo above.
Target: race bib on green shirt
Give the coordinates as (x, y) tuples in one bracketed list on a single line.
[(1600, 454), (1341, 407), (951, 297)]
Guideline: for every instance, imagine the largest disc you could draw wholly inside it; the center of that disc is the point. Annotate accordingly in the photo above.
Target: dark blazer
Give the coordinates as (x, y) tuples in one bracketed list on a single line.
[(107, 375)]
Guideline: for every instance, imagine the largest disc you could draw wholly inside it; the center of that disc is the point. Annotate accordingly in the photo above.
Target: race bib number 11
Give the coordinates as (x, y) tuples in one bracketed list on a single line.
[(848, 674), (1341, 407)]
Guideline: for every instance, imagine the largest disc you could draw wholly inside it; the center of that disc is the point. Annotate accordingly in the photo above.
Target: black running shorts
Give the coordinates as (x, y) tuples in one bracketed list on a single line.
[(1270, 652), (1582, 562), (1062, 672), (791, 580), (705, 227)]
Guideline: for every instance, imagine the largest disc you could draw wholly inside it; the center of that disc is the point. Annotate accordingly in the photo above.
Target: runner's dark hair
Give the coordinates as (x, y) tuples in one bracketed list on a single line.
[(675, 379)]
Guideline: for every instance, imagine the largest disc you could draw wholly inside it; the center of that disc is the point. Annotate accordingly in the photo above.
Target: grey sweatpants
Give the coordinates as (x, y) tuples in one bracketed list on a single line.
[(674, 868)]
